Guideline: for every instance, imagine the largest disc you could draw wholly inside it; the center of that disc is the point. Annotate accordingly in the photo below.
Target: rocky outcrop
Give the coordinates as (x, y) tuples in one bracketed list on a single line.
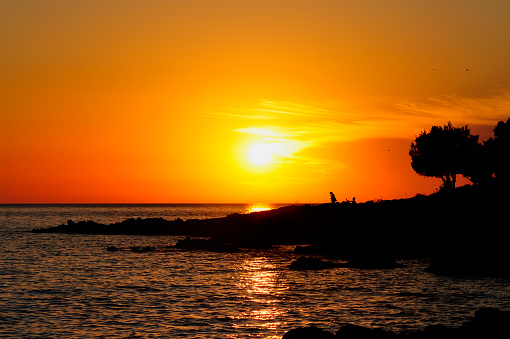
[(308, 332), (148, 226), (487, 323), (351, 331), (471, 264), (461, 221)]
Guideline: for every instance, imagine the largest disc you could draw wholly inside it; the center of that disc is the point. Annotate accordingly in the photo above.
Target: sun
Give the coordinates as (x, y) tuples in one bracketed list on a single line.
[(260, 154)]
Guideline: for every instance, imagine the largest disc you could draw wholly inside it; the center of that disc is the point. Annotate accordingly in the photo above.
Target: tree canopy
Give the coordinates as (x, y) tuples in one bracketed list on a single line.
[(444, 152), (498, 150)]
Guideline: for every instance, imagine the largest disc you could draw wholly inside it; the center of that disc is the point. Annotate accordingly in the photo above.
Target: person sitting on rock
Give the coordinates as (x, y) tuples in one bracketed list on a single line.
[(333, 198)]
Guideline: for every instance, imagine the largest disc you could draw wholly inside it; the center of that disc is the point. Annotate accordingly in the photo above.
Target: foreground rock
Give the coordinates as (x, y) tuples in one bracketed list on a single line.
[(308, 332), (488, 323), (355, 331), (496, 264)]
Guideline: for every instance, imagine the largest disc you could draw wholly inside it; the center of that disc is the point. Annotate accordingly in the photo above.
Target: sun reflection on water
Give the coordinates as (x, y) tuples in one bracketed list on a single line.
[(261, 287), (258, 208)]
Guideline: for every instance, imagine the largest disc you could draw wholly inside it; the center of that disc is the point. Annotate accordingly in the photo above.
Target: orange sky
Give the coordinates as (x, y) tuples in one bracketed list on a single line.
[(161, 101)]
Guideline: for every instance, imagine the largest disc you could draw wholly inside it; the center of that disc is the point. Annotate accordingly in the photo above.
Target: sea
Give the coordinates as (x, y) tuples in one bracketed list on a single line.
[(70, 286)]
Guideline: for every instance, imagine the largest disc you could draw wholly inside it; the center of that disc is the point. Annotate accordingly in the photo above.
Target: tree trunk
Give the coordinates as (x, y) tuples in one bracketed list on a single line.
[(449, 181)]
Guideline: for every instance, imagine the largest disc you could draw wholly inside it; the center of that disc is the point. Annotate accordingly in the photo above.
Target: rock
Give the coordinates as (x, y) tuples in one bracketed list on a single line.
[(435, 331), (311, 332), (488, 322), (467, 264), (112, 249), (351, 331)]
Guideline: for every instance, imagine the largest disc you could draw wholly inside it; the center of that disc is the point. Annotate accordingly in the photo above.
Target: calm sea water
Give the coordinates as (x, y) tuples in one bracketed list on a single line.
[(55, 285)]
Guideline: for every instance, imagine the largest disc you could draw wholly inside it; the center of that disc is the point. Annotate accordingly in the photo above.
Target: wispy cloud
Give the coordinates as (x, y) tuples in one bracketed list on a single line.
[(460, 110), (292, 127), (296, 109), (317, 122), (283, 110), (272, 131)]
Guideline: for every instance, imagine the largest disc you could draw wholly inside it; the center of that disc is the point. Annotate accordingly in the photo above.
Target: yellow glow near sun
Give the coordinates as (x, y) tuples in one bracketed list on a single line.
[(264, 150), (259, 208), (260, 154)]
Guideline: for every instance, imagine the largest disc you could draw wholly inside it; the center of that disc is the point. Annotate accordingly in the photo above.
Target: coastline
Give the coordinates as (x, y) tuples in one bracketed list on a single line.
[(461, 231), (487, 323)]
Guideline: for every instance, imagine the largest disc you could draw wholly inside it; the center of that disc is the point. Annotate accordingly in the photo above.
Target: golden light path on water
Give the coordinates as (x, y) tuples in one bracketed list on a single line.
[(262, 286)]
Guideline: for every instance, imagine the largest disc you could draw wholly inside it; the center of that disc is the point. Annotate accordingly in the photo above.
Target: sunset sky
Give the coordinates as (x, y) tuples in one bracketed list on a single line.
[(239, 101)]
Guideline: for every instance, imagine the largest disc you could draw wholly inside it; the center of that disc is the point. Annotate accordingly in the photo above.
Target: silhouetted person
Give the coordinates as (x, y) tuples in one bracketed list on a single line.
[(354, 200), (333, 198)]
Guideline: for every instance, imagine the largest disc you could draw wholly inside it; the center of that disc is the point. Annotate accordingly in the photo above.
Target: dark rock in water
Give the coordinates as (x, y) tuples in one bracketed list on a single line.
[(351, 331), (488, 323), (435, 331), (463, 264), (311, 332), (112, 249), (151, 226), (311, 263), (206, 245)]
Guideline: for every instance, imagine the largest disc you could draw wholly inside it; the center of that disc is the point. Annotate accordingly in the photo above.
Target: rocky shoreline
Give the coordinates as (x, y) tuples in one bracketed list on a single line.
[(461, 231), (487, 323)]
